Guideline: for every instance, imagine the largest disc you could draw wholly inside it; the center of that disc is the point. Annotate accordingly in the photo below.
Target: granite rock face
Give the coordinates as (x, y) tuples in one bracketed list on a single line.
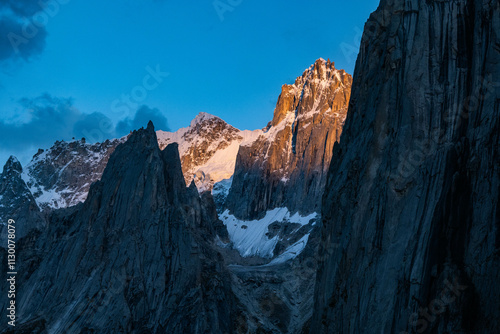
[(17, 202), (286, 165), (136, 256), (279, 296), (61, 176), (411, 219)]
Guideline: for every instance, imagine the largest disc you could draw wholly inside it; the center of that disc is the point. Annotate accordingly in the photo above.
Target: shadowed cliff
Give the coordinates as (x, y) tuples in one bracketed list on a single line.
[(411, 221), (135, 257)]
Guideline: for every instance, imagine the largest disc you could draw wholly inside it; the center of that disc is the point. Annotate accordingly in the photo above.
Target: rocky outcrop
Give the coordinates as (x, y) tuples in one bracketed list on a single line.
[(17, 203), (411, 222), (286, 166), (137, 256), (278, 295), (61, 176)]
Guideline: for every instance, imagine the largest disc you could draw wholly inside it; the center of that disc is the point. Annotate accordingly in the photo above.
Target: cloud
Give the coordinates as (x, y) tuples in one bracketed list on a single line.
[(22, 29), (89, 123), (23, 8), (46, 119), (141, 119)]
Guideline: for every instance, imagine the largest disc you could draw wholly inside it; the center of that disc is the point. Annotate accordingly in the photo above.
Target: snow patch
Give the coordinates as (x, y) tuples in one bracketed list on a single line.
[(292, 252), (250, 239)]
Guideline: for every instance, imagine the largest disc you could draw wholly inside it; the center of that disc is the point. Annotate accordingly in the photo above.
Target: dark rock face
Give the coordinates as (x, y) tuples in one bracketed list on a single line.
[(17, 203), (411, 222), (136, 257), (279, 296), (287, 164)]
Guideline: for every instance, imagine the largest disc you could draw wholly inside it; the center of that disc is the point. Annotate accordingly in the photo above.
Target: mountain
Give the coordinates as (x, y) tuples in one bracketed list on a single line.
[(208, 149), (271, 212), (145, 227), (17, 202), (411, 216), (308, 119), (61, 176), (286, 165), (137, 256)]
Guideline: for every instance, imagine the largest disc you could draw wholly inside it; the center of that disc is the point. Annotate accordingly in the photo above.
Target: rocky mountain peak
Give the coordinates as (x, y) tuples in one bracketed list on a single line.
[(207, 149), (203, 117), (138, 254), (210, 127), (17, 202), (143, 136), (61, 175), (287, 164), (150, 126), (321, 87), (12, 165)]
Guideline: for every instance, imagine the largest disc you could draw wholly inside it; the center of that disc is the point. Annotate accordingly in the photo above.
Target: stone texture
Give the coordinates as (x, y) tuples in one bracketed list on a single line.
[(17, 203), (136, 257), (412, 197), (287, 164), (61, 176), (279, 296)]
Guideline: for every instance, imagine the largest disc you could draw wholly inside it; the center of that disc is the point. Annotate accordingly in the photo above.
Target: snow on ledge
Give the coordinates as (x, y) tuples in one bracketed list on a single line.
[(250, 239), (292, 252)]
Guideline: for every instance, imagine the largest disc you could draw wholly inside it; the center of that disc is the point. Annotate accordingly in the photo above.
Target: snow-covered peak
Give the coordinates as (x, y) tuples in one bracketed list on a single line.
[(61, 175), (203, 117), (208, 149)]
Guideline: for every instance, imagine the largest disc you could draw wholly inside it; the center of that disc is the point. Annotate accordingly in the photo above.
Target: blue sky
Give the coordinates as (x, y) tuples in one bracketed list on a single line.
[(100, 68)]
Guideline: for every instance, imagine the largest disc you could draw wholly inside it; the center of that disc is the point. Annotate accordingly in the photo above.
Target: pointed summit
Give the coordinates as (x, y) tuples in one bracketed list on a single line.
[(146, 137), (17, 202), (12, 164), (203, 117), (320, 61), (322, 83), (151, 126), (287, 165)]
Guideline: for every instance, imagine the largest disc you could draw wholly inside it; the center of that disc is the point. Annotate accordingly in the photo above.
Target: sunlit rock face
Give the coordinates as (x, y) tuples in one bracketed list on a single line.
[(410, 213), (208, 149), (287, 164)]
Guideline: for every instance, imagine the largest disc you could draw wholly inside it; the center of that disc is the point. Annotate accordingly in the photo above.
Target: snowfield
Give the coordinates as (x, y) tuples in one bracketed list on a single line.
[(250, 239)]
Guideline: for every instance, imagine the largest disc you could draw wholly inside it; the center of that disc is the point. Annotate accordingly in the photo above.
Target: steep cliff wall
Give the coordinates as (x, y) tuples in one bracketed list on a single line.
[(411, 220), (286, 166), (137, 256)]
